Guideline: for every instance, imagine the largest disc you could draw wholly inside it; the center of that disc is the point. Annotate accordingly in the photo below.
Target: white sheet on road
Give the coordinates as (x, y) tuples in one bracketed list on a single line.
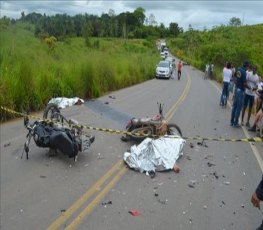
[(64, 102), (155, 155)]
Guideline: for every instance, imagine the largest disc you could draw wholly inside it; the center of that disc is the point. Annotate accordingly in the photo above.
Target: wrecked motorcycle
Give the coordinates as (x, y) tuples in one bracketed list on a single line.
[(140, 128), (58, 133)]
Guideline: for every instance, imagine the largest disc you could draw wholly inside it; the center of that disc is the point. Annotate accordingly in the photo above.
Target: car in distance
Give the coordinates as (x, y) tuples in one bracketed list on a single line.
[(164, 70)]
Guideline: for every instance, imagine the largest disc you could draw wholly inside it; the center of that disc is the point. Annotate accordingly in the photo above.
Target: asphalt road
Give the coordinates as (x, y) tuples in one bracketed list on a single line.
[(212, 191)]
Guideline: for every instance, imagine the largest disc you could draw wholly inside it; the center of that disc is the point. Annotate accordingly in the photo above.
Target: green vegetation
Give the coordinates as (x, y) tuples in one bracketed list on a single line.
[(34, 70), (86, 56), (221, 44)]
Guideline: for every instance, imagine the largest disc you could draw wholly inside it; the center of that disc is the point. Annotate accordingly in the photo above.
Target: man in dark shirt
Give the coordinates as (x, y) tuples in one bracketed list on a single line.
[(240, 81), (257, 197)]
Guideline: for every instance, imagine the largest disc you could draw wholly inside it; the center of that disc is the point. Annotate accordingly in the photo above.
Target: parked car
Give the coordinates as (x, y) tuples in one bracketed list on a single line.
[(162, 55), (166, 51), (164, 70)]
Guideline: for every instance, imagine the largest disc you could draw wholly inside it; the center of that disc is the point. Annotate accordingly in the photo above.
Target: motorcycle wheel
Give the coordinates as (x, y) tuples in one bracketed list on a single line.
[(52, 112), (174, 129), (142, 130)]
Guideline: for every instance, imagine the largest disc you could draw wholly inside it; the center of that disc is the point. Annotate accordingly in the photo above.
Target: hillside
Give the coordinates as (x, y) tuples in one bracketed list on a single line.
[(221, 44), (34, 70)]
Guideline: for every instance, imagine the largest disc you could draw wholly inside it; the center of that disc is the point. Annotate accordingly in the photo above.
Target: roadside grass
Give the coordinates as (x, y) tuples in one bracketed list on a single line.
[(32, 72), (221, 44)]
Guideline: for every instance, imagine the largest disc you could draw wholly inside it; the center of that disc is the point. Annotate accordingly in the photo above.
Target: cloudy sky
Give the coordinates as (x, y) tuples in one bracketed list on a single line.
[(200, 14)]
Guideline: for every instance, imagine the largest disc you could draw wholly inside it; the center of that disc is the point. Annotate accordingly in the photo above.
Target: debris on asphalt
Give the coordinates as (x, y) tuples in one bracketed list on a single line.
[(106, 102), (191, 145), (191, 186), (63, 210), (243, 206), (41, 176), (209, 164), (112, 97), (204, 207), (215, 175), (188, 158), (106, 203), (99, 156), (134, 212), (227, 183), (162, 201), (7, 144)]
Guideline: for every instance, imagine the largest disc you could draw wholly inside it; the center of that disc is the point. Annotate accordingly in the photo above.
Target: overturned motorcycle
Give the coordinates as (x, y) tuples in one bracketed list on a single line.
[(155, 126), (58, 133)]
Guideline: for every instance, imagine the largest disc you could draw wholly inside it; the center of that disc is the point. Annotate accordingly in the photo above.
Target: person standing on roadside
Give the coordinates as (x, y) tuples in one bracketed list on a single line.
[(227, 76), (252, 81), (206, 71), (240, 81), (257, 196), (179, 69), (258, 100), (211, 70)]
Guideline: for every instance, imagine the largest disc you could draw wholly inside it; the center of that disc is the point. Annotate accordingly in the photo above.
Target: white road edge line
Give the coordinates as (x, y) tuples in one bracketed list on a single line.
[(253, 147)]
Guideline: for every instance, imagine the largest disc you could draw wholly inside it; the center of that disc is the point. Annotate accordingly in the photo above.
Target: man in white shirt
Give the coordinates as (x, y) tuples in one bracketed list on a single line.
[(250, 92)]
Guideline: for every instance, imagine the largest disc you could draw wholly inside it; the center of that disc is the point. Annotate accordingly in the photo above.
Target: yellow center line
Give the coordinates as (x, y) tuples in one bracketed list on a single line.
[(78, 220), (119, 168), (95, 188), (252, 146), (180, 100)]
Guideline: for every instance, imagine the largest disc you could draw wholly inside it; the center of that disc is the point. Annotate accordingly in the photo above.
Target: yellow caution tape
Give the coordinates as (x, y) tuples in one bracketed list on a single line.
[(252, 139)]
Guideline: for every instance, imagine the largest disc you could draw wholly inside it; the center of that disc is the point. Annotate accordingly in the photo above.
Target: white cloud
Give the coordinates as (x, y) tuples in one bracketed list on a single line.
[(199, 14)]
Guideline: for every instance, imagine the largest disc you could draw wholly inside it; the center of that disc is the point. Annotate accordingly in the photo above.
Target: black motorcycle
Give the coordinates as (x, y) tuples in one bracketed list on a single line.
[(58, 133)]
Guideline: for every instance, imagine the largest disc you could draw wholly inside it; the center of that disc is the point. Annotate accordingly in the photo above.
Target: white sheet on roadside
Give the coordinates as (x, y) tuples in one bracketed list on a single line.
[(64, 102), (155, 155)]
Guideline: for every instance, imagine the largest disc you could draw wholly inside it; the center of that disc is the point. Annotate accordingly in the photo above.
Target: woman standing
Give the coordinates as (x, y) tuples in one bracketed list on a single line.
[(227, 75)]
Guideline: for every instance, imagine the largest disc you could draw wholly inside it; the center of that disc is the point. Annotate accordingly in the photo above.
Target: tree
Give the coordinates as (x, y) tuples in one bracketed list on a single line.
[(174, 29), (151, 20), (139, 14), (234, 21)]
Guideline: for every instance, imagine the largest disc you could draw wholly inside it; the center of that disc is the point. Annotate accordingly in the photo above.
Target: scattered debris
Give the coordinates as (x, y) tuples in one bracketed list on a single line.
[(112, 97), (202, 143), (162, 201), (191, 145), (188, 158), (106, 203), (41, 176), (227, 183), (191, 186), (135, 212), (152, 174), (223, 202), (215, 174), (7, 144), (243, 206), (210, 164), (156, 194), (99, 156), (63, 210)]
